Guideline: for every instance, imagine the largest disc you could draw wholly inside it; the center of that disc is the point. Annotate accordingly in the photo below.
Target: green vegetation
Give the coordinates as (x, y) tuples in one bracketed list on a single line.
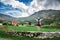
[(4, 36), (30, 28)]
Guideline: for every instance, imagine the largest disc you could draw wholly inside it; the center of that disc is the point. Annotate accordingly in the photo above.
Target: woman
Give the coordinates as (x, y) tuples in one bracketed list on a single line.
[(38, 23)]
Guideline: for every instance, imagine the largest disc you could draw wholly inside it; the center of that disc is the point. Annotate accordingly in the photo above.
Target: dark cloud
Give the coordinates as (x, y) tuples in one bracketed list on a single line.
[(58, 1), (52, 3)]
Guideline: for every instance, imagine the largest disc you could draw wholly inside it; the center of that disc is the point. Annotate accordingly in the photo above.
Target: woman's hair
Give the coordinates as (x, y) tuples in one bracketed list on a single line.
[(38, 19)]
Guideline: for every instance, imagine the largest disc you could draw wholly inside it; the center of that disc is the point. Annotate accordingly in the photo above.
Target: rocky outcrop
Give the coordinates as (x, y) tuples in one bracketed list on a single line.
[(36, 34)]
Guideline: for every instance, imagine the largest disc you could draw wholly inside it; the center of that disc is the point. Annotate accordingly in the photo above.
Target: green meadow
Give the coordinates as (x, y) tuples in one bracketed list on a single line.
[(30, 28), (4, 36)]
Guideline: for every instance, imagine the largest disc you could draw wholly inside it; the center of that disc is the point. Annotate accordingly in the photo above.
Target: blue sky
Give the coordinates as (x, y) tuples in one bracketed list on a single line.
[(26, 2), (5, 8), (25, 8)]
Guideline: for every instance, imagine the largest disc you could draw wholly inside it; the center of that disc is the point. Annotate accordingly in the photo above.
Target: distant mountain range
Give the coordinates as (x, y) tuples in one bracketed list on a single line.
[(47, 14), (5, 17)]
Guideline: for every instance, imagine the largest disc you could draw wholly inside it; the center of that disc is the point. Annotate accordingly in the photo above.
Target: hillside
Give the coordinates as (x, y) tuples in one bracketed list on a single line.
[(46, 14)]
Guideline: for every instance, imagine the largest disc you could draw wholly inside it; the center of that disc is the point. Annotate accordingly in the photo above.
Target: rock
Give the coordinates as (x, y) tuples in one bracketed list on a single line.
[(36, 34)]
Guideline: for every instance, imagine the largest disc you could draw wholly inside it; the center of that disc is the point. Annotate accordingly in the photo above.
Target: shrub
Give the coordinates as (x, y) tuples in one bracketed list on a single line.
[(51, 26), (4, 23), (55, 25), (46, 26)]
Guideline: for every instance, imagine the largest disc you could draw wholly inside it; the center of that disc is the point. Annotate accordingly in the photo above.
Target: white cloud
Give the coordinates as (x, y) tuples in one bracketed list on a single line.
[(35, 6), (15, 13), (15, 4)]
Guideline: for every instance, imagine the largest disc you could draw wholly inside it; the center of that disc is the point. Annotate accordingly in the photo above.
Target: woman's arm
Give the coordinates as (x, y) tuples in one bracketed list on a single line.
[(41, 21)]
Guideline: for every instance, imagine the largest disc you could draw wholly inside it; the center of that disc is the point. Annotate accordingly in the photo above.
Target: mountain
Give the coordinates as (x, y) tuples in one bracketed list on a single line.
[(5, 17), (46, 14)]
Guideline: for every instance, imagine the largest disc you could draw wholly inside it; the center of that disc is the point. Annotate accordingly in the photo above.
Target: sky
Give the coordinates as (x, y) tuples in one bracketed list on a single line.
[(25, 8)]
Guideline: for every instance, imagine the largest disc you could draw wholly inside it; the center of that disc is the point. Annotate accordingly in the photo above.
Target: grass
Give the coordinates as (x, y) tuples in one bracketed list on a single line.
[(4, 36), (29, 28)]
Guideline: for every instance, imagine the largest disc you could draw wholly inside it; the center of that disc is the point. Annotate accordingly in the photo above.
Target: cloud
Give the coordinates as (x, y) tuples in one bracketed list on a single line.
[(52, 4), (15, 4), (35, 6)]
